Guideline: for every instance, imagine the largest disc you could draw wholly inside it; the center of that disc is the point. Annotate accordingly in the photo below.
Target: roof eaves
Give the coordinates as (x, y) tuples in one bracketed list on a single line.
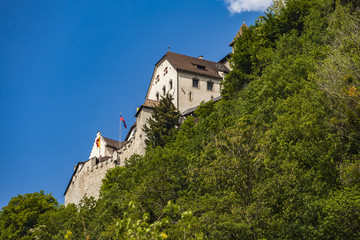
[(192, 110), (130, 130), (224, 59), (141, 107)]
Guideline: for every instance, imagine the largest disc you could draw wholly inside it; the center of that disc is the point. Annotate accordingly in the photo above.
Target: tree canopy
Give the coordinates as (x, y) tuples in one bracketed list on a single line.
[(20, 218), (162, 124)]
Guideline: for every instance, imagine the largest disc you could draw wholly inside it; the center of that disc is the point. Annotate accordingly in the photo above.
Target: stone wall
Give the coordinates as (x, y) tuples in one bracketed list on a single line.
[(87, 176), (87, 179)]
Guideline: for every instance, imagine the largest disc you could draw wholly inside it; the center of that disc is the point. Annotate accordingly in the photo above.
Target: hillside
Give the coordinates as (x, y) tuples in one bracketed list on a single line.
[(276, 158)]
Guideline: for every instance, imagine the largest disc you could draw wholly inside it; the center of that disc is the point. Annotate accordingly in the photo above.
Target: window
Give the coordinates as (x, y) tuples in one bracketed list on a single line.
[(170, 83), (190, 96), (164, 90), (157, 96), (210, 85), (195, 83), (201, 67)]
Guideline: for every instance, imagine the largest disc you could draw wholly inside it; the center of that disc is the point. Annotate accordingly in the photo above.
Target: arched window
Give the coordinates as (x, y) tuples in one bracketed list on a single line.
[(164, 90), (170, 84), (157, 96)]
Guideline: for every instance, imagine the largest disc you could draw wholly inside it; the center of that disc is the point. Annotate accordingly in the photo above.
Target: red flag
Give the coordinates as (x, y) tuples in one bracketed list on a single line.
[(122, 119)]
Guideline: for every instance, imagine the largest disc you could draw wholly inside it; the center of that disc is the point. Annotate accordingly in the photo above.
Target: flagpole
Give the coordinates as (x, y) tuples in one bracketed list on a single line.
[(120, 131)]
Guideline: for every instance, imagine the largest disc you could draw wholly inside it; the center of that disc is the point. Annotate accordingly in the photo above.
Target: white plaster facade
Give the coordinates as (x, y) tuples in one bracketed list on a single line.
[(103, 149), (190, 96), (164, 80), (175, 73)]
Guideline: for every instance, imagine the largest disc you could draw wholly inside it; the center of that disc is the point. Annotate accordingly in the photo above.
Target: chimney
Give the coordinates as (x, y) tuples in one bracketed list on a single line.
[(201, 57)]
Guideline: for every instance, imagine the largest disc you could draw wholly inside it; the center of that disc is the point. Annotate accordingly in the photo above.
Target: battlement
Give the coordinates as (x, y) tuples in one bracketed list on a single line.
[(87, 178)]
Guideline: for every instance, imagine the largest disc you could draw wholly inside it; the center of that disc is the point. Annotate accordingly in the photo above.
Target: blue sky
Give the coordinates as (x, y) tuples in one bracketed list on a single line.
[(68, 68)]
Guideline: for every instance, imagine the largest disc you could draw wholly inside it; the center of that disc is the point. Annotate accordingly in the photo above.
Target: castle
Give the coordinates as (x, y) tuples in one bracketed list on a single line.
[(189, 80)]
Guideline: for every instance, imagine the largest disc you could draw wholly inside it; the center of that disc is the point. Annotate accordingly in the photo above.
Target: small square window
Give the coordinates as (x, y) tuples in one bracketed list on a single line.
[(210, 86), (195, 83)]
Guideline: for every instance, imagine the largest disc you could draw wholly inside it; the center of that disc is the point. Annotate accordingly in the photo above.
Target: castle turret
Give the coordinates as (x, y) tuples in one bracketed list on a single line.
[(239, 33)]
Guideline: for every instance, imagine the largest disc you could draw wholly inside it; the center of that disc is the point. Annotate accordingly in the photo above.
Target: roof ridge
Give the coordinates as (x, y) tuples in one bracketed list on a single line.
[(195, 58)]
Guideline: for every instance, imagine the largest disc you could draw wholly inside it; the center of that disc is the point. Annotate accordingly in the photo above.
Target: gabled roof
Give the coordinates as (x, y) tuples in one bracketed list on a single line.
[(194, 65), (150, 103), (111, 143), (147, 104), (240, 32), (130, 130), (225, 59)]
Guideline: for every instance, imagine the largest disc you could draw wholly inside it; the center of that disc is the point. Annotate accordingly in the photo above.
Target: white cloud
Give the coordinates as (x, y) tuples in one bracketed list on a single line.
[(237, 6)]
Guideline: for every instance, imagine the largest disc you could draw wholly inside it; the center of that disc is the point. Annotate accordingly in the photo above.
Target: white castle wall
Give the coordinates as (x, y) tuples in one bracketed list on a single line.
[(102, 151), (163, 74)]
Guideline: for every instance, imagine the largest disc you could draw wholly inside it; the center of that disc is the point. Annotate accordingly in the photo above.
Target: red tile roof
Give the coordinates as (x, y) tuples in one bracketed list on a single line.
[(150, 103), (240, 32), (112, 143), (147, 104), (195, 65)]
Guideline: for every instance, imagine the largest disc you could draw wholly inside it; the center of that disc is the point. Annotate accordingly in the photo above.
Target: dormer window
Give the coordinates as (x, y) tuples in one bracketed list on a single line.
[(200, 67), (210, 86), (195, 83)]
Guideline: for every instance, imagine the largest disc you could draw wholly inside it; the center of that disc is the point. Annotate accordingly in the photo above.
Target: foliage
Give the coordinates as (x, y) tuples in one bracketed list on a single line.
[(19, 219), (132, 226), (162, 124)]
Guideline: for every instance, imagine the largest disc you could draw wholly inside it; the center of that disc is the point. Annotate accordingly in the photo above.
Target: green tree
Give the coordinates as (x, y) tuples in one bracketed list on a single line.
[(19, 219), (163, 123), (64, 222)]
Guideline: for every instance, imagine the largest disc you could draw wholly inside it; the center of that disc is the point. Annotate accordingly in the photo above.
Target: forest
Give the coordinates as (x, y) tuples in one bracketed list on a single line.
[(276, 158)]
